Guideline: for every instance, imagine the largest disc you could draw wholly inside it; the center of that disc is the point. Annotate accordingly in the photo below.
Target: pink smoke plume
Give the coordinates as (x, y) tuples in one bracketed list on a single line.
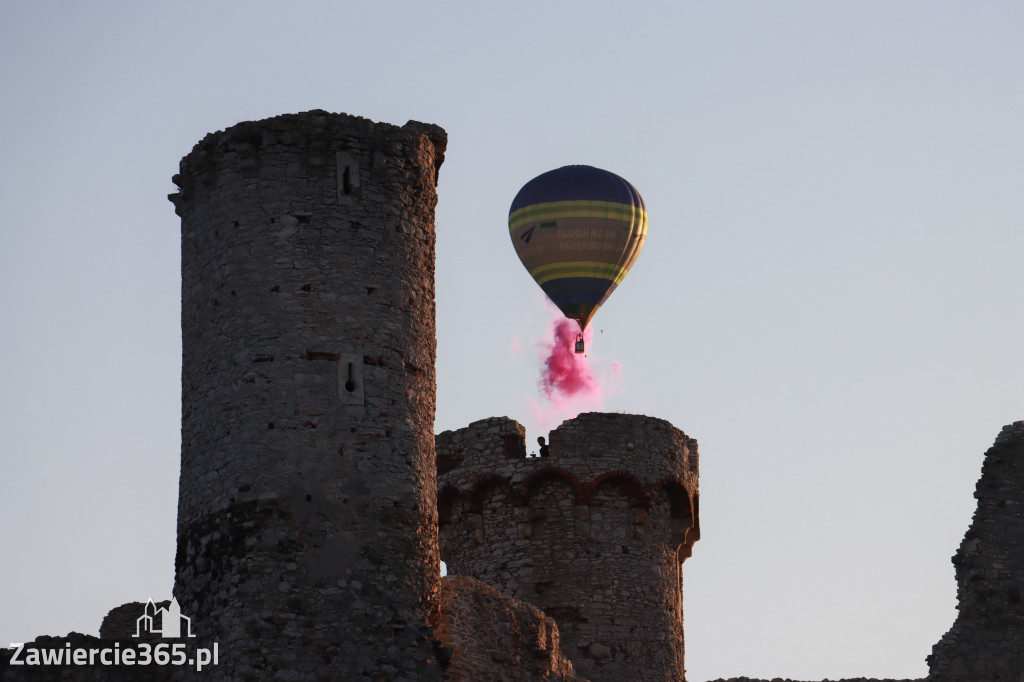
[(565, 372), (567, 382)]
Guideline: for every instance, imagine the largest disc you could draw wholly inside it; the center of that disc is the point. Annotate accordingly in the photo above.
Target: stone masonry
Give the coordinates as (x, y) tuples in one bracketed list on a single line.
[(594, 534), (306, 515), (310, 508), (845, 679), (495, 637), (987, 640)]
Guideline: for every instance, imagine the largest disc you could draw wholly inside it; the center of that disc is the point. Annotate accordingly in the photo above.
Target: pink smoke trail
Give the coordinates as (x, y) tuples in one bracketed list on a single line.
[(567, 383), (566, 373)]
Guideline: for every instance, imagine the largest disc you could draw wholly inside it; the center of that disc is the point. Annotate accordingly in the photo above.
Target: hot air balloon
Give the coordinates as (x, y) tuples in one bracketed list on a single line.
[(578, 230)]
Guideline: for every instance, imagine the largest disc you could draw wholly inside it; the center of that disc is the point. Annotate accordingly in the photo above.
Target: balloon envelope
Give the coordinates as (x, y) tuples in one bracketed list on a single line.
[(578, 230)]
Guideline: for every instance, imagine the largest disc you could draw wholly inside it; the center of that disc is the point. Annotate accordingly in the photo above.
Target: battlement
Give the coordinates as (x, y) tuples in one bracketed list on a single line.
[(593, 533), (648, 455)]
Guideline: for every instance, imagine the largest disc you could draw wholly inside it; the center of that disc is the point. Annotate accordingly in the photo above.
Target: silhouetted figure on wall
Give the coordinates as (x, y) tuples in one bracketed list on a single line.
[(543, 446)]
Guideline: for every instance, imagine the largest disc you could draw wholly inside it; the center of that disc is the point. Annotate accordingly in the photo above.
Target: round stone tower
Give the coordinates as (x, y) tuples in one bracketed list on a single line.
[(307, 513), (593, 534)]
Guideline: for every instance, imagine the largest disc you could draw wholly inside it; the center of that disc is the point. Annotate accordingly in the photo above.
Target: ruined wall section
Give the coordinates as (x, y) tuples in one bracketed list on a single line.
[(494, 637), (845, 679), (594, 534), (307, 510), (987, 640)]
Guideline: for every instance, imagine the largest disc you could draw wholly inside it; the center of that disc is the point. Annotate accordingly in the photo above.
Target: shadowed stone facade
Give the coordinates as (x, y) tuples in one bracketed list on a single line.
[(495, 637), (845, 679), (594, 534), (987, 640), (306, 515)]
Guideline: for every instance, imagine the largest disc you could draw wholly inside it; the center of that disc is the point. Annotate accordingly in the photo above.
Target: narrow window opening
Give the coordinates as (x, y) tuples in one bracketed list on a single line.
[(346, 182), (350, 385), (347, 177)]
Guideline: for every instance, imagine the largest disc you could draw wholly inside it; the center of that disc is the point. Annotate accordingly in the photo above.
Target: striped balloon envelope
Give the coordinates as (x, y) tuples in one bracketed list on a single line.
[(578, 230)]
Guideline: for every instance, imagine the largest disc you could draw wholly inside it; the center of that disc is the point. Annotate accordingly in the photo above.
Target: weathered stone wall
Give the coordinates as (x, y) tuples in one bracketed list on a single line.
[(845, 679), (593, 534), (64, 647), (116, 631), (987, 640), (495, 637), (307, 510), (122, 622)]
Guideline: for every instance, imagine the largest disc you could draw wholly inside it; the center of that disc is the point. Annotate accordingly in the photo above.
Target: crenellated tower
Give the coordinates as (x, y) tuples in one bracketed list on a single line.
[(594, 534)]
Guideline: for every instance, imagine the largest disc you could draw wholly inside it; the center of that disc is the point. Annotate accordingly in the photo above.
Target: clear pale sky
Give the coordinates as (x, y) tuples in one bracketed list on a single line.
[(829, 299)]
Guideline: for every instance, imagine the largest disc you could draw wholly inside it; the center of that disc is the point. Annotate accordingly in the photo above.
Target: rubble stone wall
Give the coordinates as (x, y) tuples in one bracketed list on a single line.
[(495, 637), (593, 534), (987, 640), (307, 510), (845, 679)]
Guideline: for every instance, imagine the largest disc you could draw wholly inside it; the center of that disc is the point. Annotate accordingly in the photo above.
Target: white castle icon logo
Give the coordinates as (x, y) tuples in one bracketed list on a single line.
[(170, 620)]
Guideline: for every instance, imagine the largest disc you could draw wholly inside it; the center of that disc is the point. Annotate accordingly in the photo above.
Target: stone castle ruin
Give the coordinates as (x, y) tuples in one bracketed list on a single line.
[(307, 251), (315, 502), (594, 534)]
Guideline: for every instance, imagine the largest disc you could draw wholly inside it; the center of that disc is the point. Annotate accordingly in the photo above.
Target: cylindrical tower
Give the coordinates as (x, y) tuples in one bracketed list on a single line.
[(593, 534), (307, 515)]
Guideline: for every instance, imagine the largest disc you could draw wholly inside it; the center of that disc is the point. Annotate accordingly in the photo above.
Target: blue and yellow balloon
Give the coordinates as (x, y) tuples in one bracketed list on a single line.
[(578, 230)]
